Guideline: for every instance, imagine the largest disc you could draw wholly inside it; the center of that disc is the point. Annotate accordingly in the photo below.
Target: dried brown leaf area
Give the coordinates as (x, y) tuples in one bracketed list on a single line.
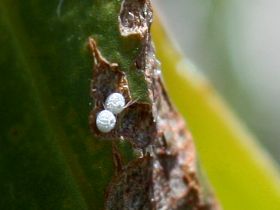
[(136, 123), (164, 177), (135, 17)]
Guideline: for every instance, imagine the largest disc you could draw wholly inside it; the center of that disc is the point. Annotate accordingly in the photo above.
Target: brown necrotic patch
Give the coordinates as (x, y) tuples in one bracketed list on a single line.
[(135, 17), (107, 79), (136, 123), (131, 188), (138, 126)]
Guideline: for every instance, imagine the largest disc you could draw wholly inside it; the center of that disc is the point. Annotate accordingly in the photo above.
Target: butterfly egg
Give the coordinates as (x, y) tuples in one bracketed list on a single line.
[(105, 121), (115, 103)]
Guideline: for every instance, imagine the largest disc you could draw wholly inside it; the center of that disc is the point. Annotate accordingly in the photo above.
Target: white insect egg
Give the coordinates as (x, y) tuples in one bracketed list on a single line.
[(105, 121), (115, 103)]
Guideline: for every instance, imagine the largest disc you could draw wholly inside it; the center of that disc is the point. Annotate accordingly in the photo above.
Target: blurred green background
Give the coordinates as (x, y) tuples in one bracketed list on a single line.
[(236, 45)]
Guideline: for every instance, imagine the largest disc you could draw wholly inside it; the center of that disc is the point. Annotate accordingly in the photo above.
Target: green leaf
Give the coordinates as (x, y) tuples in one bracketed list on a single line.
[(242, 174), (48, 158)]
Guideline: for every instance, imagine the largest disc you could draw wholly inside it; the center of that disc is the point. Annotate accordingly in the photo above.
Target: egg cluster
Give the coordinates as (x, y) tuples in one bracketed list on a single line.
[(106, 119)]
